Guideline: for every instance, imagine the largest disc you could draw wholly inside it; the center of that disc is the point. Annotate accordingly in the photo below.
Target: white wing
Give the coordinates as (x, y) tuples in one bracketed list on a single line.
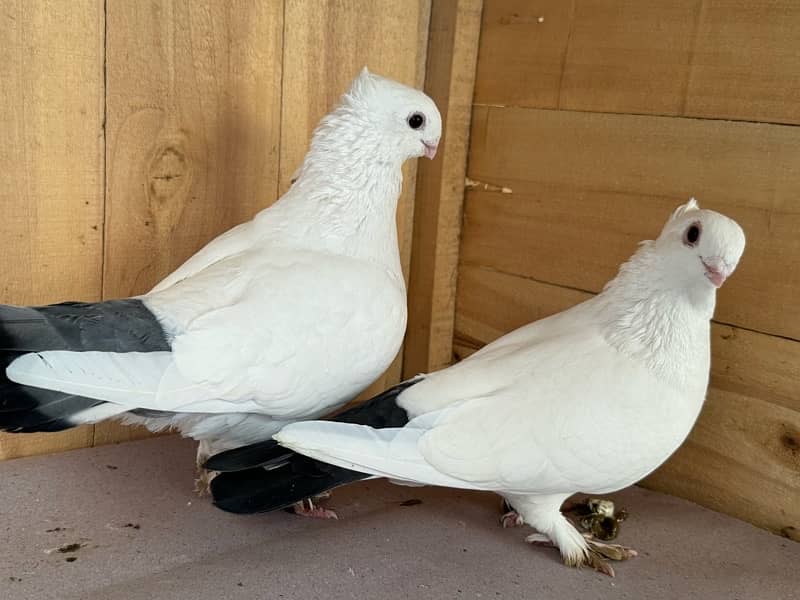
[(286, 333)]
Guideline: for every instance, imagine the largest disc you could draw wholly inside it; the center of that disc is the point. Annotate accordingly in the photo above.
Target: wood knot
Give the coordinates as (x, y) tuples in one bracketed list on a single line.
[(168, 174), (727, 333), (793, 533), (790, 442)]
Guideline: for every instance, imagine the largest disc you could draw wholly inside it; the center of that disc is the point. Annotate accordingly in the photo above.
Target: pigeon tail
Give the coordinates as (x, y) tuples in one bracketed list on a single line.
[(112, 326)]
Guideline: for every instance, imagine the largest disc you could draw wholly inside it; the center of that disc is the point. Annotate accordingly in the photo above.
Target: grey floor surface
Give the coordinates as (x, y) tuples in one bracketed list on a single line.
[(144, 534)]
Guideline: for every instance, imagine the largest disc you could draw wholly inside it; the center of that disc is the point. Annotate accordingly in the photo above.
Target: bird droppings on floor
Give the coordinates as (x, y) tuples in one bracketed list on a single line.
[(70, 547), (449, 541), (411, 502)]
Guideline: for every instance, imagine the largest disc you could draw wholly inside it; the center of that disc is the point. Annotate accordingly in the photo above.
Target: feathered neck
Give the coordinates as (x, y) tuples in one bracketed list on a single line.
[(344, 198), (649, 318), (344, 142)]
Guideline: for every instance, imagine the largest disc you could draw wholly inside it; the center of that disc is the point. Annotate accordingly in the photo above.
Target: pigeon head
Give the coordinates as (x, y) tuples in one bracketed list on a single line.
[(407, 119), (700, 247)]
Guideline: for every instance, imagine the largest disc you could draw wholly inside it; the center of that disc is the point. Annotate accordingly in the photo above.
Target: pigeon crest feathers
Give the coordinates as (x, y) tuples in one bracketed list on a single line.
[(389, 121)]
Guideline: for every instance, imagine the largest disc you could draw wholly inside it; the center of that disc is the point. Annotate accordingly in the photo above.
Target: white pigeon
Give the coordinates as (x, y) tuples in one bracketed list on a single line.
[(590, 400), (285, 317)]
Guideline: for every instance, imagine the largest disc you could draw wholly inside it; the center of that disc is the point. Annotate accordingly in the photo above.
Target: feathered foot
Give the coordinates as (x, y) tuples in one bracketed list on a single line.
[(202, 483), (594, 556), (307, 508), (542, 513), (598, 551)]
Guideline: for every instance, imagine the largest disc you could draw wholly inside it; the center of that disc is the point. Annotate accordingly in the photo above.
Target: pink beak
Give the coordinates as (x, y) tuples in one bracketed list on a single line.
[(716, 270), (430, 149)]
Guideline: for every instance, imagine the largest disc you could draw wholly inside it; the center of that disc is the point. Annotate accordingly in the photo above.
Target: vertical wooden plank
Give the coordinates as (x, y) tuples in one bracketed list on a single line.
[(326, 44), (522, 51), (194, 92), (51, 148), (450, 79)]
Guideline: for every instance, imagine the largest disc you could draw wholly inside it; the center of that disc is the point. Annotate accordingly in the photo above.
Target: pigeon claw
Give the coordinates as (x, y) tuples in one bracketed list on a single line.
[(307, 508), (599, 551), (511, 519)]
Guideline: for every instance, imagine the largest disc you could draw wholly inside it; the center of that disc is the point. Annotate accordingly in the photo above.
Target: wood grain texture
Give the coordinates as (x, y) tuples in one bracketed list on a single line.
[(51, 148), (710, 58), (193, 104), (742, 457), (587, 187), (629, 56), (326, 45), (521, 58), (450, 78), (746, 61)]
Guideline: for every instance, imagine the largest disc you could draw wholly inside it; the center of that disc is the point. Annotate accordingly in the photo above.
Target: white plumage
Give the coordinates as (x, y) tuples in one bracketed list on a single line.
[(588, 400), (284, 317)]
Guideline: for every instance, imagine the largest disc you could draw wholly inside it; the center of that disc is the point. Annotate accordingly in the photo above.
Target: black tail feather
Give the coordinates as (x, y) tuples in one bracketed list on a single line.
[(112, 326), (245, 486), (265, 490)]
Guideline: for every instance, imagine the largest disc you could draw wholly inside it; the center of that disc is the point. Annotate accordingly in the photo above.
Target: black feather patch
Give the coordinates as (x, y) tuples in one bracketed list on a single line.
[(112, 326)]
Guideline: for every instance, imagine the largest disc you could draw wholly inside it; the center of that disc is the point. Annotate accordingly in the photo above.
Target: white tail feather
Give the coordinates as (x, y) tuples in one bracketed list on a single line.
[(129, 379), (392, 453)]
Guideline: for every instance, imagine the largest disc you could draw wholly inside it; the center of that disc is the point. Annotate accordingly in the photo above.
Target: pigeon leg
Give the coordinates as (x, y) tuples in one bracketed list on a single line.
[(307, 508), (202, 483), (543, 514), (510, 517)]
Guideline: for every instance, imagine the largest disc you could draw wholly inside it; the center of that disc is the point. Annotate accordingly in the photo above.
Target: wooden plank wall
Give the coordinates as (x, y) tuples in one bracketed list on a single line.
[(592, 120), (450, 81), (131, 133)]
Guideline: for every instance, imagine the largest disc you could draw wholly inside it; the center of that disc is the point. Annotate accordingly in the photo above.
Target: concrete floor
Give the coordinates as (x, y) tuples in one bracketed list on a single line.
[(143, 534)]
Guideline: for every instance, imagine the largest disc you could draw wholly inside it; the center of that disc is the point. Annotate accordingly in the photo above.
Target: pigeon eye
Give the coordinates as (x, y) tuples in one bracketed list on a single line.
[(416, 120), (692, 235)]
